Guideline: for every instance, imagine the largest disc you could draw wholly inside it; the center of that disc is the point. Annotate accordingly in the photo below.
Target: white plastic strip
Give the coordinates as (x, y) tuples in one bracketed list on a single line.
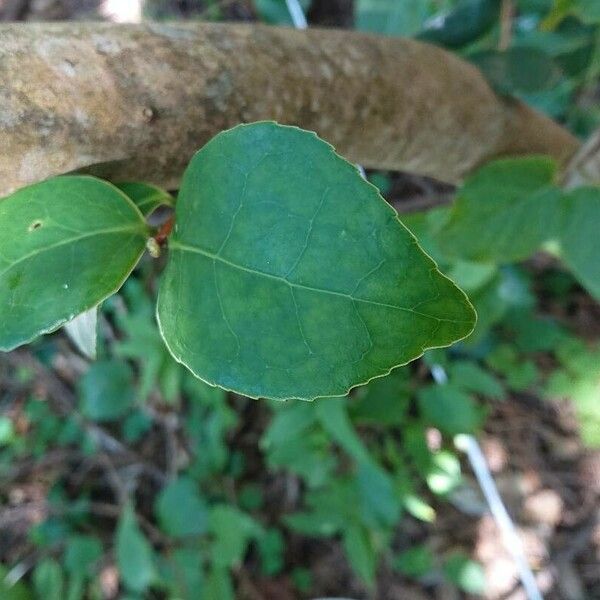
[(297, 14), (512, 542)]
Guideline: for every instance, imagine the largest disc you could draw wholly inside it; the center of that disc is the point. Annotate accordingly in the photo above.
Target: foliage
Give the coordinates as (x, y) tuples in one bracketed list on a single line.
[(188, 524)]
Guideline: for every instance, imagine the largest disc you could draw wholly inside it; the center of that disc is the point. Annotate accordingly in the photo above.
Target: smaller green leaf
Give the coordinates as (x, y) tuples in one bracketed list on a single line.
[(470, 377), (271, 547), (107, 391), (449, 408), (467, 574), (518, 70), (579, 246), (360, 553), (134, 554), (465, 23), (180, 510), (504, 212), (232, 531), (389, 17), (444, 474), (185, 574), (81, 553), (415, 562), (145, 196), (66, 244), (48, 580)]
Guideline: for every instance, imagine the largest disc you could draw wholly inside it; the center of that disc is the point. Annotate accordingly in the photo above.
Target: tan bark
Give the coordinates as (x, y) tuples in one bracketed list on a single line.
[(137, 101)]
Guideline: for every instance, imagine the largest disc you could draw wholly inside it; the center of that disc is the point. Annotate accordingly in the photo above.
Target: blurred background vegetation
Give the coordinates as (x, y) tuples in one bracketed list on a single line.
[(128, 478)]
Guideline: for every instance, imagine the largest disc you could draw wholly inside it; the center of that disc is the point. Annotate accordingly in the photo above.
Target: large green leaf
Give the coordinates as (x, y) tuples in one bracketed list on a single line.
[(290, 277), (65, 245)]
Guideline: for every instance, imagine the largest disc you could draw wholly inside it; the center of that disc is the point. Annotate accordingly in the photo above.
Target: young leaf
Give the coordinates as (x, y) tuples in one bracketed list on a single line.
[(134, 553), (65, 245), (145, 196), (290, 277)]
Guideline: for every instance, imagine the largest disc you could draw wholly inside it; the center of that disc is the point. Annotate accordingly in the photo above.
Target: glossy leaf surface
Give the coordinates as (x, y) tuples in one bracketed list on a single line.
[(65, 245), (290, 277)]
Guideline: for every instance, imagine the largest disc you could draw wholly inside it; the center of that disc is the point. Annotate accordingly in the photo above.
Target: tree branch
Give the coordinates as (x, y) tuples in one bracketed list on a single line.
[(135, 101)]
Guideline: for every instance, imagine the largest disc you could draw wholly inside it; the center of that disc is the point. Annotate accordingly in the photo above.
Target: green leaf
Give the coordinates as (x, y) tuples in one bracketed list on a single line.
[(383, 402), (360, 553), (470, 377), (48, 580), (290, 277), (518, 70), (391, 17), (467, 574), (449, 409), (145, 196), (185, 572), (180, 510), (134, 553), (504, 212), (107, 391), (81, 553), (579, 247), (465, 23), (232, 531), (415, 562), (66, 244)]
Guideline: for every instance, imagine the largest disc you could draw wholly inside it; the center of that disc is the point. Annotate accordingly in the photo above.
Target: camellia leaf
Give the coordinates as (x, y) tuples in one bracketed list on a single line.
[(65, 245), (289, 276), (145, 196)]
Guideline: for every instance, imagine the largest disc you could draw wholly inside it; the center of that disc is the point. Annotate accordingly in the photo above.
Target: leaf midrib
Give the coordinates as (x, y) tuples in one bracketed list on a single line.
[(177, 245), (72, 240)]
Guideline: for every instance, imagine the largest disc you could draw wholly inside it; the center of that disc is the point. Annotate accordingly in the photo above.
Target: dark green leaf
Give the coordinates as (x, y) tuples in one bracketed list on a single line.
[(469, 20), (232, 531), (48, 580), (107, 391), (145, 196), (290, 277), (360, 553), (391, 17), (81, 553), (504, 212), (449, 409), (415, 562), (518, 70), (579, 240), (134, 553), (180, 509), (65, 245)]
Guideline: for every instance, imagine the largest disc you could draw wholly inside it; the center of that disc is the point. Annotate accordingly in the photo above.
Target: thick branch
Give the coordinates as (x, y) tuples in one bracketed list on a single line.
[(137, 101)]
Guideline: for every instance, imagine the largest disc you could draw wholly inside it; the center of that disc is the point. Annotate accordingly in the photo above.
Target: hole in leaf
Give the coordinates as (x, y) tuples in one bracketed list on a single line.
[(35, 225)]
